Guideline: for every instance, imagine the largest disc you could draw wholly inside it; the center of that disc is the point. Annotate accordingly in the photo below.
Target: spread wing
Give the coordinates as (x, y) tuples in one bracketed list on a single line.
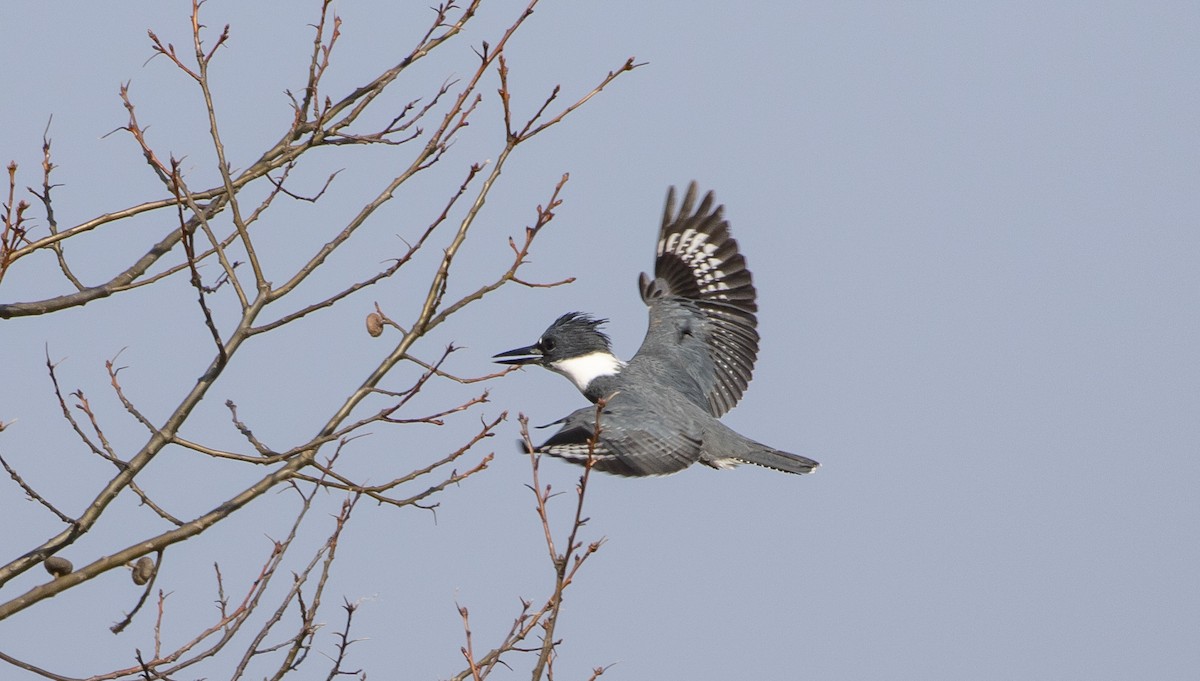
[(702, 337), (650, 449)]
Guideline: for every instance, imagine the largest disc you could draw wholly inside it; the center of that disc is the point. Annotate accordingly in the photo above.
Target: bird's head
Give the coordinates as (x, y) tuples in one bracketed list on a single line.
[(572, 335), (573, 346)]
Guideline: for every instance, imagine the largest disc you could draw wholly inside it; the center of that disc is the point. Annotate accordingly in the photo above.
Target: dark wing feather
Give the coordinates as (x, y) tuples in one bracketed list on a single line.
[(702, 333), (635, 452)]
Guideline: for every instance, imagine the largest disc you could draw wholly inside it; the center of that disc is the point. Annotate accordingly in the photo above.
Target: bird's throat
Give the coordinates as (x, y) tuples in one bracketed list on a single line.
[(587, 368)]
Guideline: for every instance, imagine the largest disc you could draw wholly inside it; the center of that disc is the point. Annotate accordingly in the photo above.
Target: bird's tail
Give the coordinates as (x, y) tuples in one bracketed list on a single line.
[(767, 457), (724, 448)]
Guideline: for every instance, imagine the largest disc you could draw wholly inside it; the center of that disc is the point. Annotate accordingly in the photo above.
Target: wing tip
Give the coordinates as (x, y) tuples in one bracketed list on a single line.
[(688, 208)]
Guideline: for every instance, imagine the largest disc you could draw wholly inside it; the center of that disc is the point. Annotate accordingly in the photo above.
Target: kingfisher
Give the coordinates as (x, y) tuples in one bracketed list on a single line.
[(659, 412)]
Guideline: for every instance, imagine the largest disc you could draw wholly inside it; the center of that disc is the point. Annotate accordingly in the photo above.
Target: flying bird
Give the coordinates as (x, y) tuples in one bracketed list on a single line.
[(660, 409)]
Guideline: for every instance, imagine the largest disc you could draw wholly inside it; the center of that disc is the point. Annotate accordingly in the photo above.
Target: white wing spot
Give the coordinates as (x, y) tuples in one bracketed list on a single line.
[(693, 248)]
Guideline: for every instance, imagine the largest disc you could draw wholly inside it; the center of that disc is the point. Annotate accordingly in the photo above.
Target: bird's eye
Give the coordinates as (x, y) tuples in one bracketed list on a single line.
[(548, 344)]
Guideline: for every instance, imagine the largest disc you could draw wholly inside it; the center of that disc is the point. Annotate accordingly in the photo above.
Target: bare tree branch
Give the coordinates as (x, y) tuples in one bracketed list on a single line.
[(219, 231)]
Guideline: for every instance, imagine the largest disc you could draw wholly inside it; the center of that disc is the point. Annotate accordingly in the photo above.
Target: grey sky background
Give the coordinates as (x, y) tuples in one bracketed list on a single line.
[(974, 233)]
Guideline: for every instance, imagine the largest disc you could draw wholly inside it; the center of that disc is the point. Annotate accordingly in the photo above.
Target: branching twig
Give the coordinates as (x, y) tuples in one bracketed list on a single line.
[(468, 650), (238, 312), (566, 566), (343, 645), (567, 563), (116, 386), (48, 204), (544, 216), (190, 254)]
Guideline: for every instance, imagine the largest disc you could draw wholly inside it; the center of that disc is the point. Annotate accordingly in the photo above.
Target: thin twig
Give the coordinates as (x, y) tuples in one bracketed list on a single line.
[(32, 494), (128, 619), (48, 204)]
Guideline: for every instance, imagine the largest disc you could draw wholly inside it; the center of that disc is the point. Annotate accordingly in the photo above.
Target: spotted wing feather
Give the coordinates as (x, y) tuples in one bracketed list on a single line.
[(702, 331)]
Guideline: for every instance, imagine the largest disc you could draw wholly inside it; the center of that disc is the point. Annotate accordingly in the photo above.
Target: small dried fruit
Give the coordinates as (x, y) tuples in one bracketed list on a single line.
[(375, 324), (143, 570), (58, 566)]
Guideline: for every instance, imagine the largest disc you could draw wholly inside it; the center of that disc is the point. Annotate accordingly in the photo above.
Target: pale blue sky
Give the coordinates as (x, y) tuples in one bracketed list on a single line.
[(974, 233)]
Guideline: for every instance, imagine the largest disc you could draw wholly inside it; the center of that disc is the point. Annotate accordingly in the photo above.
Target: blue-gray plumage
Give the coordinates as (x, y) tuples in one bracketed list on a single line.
[(661, 408)]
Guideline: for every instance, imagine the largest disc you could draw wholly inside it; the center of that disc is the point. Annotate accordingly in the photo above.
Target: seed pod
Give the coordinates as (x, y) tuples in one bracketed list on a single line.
[(58, 566), (375, 324), (143, 570)]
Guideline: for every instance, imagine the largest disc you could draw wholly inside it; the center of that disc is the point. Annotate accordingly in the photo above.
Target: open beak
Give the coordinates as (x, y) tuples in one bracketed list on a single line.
[(530, 354)]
